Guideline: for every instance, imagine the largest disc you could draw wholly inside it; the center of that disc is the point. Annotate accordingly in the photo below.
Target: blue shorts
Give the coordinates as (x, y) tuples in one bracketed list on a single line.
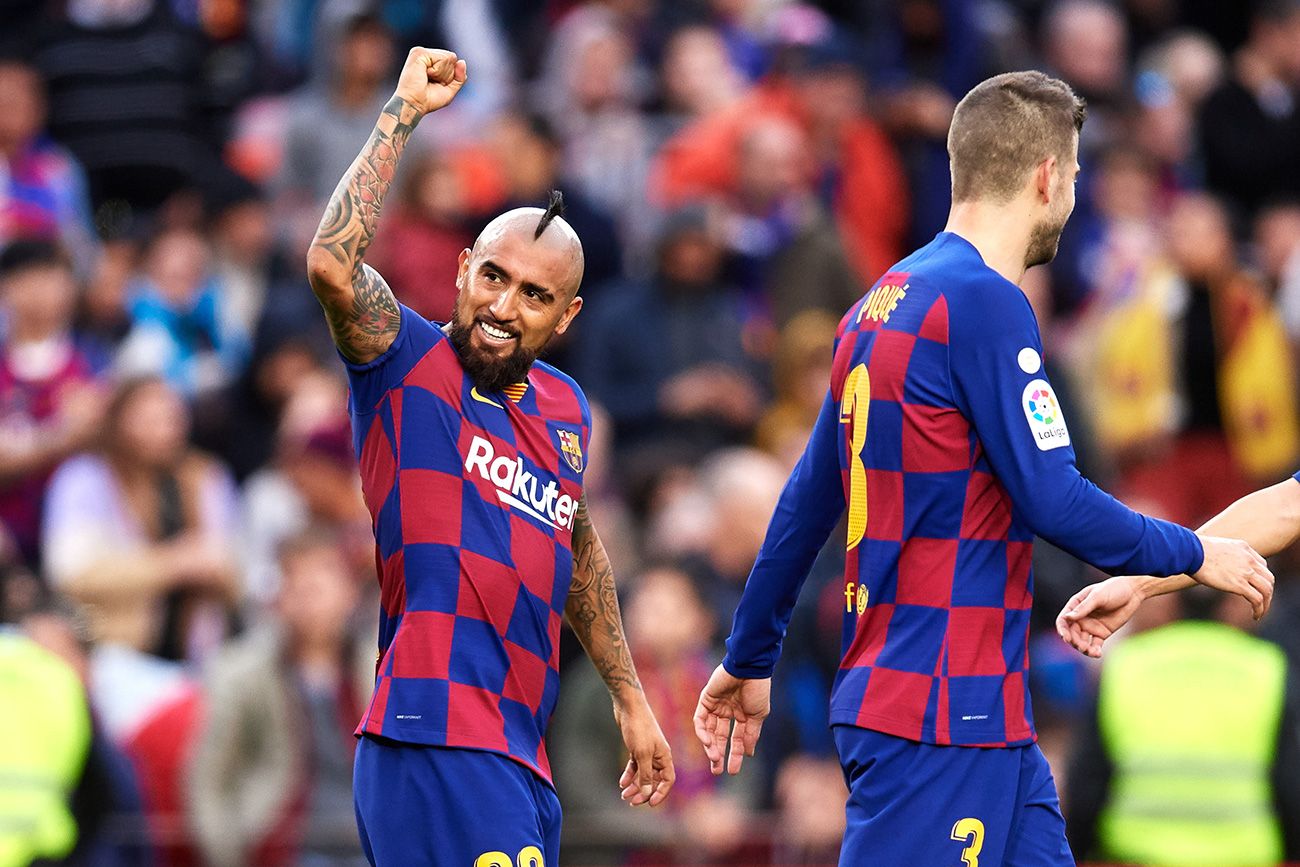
[(443, 807), (913, 804)]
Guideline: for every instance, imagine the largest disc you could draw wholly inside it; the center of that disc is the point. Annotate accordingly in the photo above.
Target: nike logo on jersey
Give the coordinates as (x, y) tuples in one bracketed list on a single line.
[(473, 392), (519, 488)]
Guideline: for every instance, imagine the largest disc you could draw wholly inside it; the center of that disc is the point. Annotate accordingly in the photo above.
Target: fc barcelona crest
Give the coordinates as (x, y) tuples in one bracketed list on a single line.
[(571, 448)]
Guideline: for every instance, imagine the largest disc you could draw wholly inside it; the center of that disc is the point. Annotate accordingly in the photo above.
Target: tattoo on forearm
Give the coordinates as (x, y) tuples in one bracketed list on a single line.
[(348, 228), (593, 607)]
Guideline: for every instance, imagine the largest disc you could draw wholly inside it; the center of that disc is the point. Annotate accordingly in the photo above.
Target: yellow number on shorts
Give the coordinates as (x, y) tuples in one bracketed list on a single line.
[(529, 856), (970, 832), (854, 407)]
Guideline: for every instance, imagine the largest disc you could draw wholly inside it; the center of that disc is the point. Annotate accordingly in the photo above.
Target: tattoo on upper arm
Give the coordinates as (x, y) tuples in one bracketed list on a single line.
[(593, 606), (366, 326)]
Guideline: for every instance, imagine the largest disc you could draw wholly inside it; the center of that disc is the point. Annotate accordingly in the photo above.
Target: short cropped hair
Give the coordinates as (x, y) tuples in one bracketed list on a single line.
[(1004, 127)]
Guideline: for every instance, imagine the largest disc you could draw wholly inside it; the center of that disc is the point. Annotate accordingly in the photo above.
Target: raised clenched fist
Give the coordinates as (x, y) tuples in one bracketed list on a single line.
[(430, 79)]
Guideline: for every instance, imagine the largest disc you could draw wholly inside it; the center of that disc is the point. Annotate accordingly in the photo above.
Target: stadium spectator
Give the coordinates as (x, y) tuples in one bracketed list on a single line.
[(698, 76), (344, 104), (788, 254), (828, 143), (739, 488), (590, 91), (1199, 367), (810, 820), (245, 261), (667, 356), (185, 326), (800, 365), (925, 54), (1085, 42), (126, 96), (1249, 126), (1202, 771), (1113, 246), (141, 530), (856, 169), (1277, 242), (706, 816), (44, 190), (271, 779), (51, 396), (311, 482), (531, 158)]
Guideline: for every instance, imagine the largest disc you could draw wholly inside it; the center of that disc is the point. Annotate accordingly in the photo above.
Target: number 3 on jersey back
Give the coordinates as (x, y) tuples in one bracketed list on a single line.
[(970, 832), (854, 407)]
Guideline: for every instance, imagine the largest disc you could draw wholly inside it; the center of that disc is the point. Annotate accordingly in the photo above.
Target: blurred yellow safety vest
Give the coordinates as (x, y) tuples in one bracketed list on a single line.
[(44, 739), (1189, 715)]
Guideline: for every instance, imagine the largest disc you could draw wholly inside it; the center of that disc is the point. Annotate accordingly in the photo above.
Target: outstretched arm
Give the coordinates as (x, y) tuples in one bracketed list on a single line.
[(1000, 385), (1268, 520), (362, 311), (593, 612)]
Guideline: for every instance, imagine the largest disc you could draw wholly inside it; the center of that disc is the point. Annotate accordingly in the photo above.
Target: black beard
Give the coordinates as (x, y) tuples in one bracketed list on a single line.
[(489, 374)]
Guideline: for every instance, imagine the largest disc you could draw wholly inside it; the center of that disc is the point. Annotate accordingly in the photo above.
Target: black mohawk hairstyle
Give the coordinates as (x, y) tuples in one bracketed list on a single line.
[(554, 208)]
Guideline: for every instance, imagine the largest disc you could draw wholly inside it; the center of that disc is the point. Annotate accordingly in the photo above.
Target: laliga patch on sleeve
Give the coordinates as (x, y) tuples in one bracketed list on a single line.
[(1043, 413)]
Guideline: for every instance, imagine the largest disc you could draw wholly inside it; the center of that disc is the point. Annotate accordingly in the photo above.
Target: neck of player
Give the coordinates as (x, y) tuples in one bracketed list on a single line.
[(999, 232)]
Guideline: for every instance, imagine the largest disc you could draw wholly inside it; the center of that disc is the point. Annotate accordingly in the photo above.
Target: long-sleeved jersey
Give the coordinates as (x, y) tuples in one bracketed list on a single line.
[(943, 438)]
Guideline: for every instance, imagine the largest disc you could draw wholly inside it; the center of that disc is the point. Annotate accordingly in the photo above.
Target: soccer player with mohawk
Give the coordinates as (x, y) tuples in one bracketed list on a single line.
[(472, 455)]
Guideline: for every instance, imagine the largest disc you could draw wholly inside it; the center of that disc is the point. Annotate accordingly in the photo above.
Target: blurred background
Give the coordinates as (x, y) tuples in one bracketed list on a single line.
[(187, 561)]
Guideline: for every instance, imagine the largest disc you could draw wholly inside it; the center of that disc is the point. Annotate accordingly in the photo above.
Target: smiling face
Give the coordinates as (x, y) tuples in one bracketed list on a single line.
[(516, 292)]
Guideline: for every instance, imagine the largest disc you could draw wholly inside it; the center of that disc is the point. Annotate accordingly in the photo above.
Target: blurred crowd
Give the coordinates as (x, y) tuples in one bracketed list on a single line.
[(181, 516)]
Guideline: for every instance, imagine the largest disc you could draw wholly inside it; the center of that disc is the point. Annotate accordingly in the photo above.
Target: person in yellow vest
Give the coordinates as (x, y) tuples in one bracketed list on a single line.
[(1192, 757), (44, 739)]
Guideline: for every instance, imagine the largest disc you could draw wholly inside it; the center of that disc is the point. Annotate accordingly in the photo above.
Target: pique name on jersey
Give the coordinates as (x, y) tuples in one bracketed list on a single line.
[(882, 301), (519, 488)]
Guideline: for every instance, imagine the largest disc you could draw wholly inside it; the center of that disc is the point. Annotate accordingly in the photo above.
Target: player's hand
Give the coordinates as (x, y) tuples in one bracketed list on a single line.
[(430, 78), (649, 774), (1097, 611), (1234, 567), (726, 699)]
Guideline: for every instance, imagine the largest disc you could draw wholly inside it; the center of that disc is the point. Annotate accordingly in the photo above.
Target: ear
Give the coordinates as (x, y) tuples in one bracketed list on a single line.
[(569, 312), (1045, 179), (463, 270)]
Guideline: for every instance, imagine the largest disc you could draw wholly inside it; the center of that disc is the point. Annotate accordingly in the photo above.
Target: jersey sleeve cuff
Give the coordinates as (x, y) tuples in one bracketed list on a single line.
[(745, 672), (1198, 554)]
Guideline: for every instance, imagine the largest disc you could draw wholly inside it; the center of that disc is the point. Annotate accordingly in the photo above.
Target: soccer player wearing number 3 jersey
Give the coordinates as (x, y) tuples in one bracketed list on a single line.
[(472, 456), (943, 439)]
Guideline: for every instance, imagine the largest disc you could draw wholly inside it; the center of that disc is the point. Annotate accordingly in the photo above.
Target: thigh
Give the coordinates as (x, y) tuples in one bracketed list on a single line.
[(920, 804), (442, 807), (1038, 833)]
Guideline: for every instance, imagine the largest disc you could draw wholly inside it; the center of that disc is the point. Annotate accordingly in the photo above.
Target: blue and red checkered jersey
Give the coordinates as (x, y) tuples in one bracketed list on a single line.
[(943, 439), (473, 498)]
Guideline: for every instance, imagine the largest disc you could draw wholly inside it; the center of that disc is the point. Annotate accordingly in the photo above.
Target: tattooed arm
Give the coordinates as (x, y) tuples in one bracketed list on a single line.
[(593, 612), (361, 309)]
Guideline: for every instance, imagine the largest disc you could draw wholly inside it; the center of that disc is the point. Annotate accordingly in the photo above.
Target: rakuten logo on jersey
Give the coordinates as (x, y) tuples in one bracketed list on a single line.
[(520, 489)]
